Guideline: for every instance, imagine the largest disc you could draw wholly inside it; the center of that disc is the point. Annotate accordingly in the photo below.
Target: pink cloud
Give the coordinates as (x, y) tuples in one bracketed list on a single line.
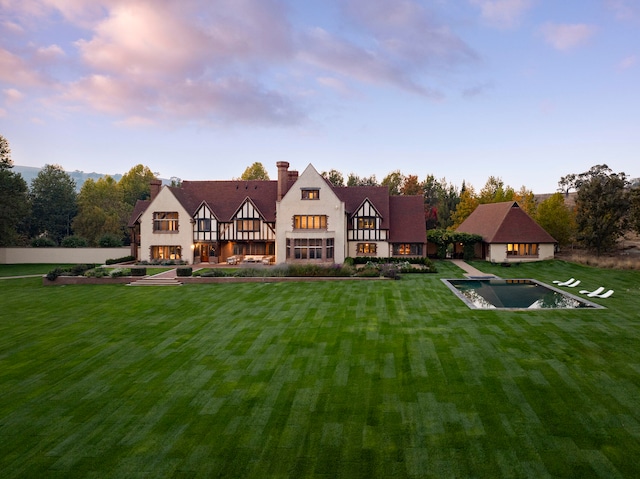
[(12, 95), (16, 71), (625, 10), (399, 42), (502, 13), (628, 62), (566, 37)]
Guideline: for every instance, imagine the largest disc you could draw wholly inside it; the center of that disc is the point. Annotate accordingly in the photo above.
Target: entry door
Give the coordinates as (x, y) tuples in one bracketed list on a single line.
[(204, 253)]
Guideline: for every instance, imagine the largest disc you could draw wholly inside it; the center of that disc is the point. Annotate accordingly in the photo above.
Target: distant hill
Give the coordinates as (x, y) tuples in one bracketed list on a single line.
[(30, 172)]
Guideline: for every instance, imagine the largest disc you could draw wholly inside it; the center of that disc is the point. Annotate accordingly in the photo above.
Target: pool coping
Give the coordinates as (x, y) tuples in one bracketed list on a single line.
[(470, 305)]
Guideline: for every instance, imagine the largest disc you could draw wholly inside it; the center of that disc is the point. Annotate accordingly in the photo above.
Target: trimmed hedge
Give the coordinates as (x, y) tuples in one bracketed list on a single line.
[(138, 271), (124, 259), (184, 271)]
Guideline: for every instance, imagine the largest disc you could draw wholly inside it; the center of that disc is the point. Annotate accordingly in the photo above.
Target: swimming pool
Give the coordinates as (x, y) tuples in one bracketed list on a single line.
[(514, 294)]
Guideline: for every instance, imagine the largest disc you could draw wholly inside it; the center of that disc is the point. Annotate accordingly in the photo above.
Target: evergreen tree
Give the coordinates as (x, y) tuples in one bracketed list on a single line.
[(53, 198), (14, 199)]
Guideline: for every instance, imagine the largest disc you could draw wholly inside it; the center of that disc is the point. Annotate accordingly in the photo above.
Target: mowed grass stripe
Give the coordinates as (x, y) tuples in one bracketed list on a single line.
[(329, 379)]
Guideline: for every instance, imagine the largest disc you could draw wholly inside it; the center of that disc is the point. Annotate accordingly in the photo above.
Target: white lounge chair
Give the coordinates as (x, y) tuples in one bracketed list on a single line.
[(604, 295), (563, 283), (591, 294), (574, 284)]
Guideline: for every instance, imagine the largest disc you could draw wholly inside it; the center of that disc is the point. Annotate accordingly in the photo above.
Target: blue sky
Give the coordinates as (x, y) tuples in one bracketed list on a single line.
[(524, 90)]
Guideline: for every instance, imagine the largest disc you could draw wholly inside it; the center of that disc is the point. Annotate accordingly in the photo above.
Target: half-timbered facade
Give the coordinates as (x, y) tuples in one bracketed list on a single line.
[(297, 218)]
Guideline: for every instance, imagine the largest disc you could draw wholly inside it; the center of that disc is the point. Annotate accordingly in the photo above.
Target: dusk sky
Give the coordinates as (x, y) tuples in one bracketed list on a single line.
[(524, 90)]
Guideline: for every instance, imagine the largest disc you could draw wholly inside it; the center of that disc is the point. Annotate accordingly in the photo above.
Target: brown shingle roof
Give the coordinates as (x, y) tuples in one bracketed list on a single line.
[(504, 222), (139, 208), (225, 197), (407, 220)]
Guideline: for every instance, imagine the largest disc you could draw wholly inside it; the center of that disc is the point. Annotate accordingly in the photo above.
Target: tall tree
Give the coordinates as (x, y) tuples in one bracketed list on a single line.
[(411, 186), (334, 177), (602, 203), (468, 203), (393, 181), (527, 200), (5, 154), (14, 199), (494, 191), (101, 210), (557, 219), (135, 184), (634, 211), (355, 180), (255, 172), (53, 198)]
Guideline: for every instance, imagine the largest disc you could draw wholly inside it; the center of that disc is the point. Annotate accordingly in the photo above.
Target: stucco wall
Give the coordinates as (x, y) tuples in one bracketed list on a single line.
[(383, 249), (61, 255), (328, 204), (498, 254), (165, 201)]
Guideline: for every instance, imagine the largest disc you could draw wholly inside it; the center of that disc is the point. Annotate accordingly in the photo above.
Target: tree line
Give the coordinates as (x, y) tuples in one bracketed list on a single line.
[(49, 212)]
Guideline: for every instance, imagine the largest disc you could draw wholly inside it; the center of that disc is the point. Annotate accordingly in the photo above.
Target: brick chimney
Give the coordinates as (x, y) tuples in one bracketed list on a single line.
[(155, 186), (283, 178)]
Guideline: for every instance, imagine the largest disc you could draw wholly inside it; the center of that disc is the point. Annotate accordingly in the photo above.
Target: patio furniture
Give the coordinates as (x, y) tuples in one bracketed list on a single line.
[(604, 295), (591, 294), (564, 283)]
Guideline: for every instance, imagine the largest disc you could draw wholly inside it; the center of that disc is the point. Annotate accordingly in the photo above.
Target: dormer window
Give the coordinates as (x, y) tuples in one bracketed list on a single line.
[(310, 194)]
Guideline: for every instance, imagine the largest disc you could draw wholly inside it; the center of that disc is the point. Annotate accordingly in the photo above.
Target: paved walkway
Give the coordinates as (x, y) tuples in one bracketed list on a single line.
[(173, 273), (470, 270)]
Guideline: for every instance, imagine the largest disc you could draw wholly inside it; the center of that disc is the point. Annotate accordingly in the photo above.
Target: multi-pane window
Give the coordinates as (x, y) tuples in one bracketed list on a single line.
[(412, 249), (367, 248), (330, 248), (310, 248), (522, 249), (310, 194), (204, 224), (310, 222), (367, 223), (166, 252), (165, 221), (248, 225), (307, 248)]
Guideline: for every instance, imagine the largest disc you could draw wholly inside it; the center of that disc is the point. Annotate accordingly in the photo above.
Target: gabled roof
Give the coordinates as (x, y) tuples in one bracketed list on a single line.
[(354, 196), (225, 197), (407, 220), (139, 208), (504, 222)]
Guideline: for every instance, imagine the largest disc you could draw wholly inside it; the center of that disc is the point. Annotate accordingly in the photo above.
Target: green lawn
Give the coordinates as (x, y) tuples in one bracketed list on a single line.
[(330, 379), (27, 269)]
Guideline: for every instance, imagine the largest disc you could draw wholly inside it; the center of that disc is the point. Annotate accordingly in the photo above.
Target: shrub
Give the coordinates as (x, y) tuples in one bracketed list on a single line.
[(109, 241), (390, 271), (80, 269), (348, 261), (96, 273), (54, 273), (212, 273), (368, 272), (74, 242), (138, 271), (184, 271), (43, 242), (124, 259), (117, 273)]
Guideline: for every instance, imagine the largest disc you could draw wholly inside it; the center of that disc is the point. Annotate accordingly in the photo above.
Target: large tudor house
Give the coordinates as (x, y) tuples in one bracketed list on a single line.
[(508, 233), (294, 219)]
